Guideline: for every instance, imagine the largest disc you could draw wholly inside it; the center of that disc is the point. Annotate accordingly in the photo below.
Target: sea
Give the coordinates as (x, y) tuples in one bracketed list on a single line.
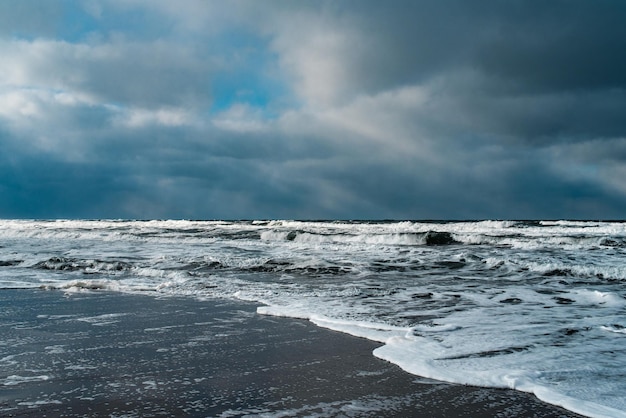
[(535, 306)]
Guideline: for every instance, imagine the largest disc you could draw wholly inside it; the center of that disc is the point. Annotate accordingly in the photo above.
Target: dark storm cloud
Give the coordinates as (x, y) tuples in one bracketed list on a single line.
[(520, 68), (531, 46), (560, 46), (163, 172)]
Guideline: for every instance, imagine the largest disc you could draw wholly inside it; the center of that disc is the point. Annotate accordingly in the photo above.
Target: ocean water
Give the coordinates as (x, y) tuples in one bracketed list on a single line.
[(534, 306)]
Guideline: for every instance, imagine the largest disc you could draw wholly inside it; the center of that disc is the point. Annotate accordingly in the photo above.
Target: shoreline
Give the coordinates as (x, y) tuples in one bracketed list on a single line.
[(104, 353)]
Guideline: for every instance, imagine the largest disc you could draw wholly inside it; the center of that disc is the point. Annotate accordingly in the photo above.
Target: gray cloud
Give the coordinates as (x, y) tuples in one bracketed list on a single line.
[(129, 73), (523, 69), (428, 109), (536, 47)]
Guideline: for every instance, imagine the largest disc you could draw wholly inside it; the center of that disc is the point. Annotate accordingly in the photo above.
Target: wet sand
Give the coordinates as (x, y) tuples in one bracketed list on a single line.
[(109, 354)]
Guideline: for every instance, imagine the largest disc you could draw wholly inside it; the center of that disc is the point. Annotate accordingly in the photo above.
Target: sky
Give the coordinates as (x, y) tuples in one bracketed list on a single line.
[(345, 109)]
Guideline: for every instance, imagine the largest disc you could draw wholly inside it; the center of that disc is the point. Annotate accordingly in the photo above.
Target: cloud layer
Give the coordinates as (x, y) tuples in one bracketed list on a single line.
[(414, 110)]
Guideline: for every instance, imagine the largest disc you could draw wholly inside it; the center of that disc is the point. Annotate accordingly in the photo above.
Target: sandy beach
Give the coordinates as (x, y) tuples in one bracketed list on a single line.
[(109, 354)]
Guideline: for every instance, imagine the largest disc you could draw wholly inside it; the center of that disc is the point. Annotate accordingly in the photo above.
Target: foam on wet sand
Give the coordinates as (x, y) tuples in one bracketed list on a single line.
[(109, 354)]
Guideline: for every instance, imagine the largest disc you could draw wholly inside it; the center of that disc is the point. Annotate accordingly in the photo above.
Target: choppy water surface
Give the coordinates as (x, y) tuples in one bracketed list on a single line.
[(535, 306)]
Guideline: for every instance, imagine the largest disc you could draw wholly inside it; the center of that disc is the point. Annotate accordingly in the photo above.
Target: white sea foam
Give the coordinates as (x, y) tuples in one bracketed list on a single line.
[(39, 403), (370, 330), (420, 357), (424, 356), (595, 297), (101, 320), (18, 379), (615, 329), (55, 349)]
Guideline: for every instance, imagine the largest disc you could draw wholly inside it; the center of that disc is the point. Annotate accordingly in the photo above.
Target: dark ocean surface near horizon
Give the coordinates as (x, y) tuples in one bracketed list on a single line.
[(537, 306)]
